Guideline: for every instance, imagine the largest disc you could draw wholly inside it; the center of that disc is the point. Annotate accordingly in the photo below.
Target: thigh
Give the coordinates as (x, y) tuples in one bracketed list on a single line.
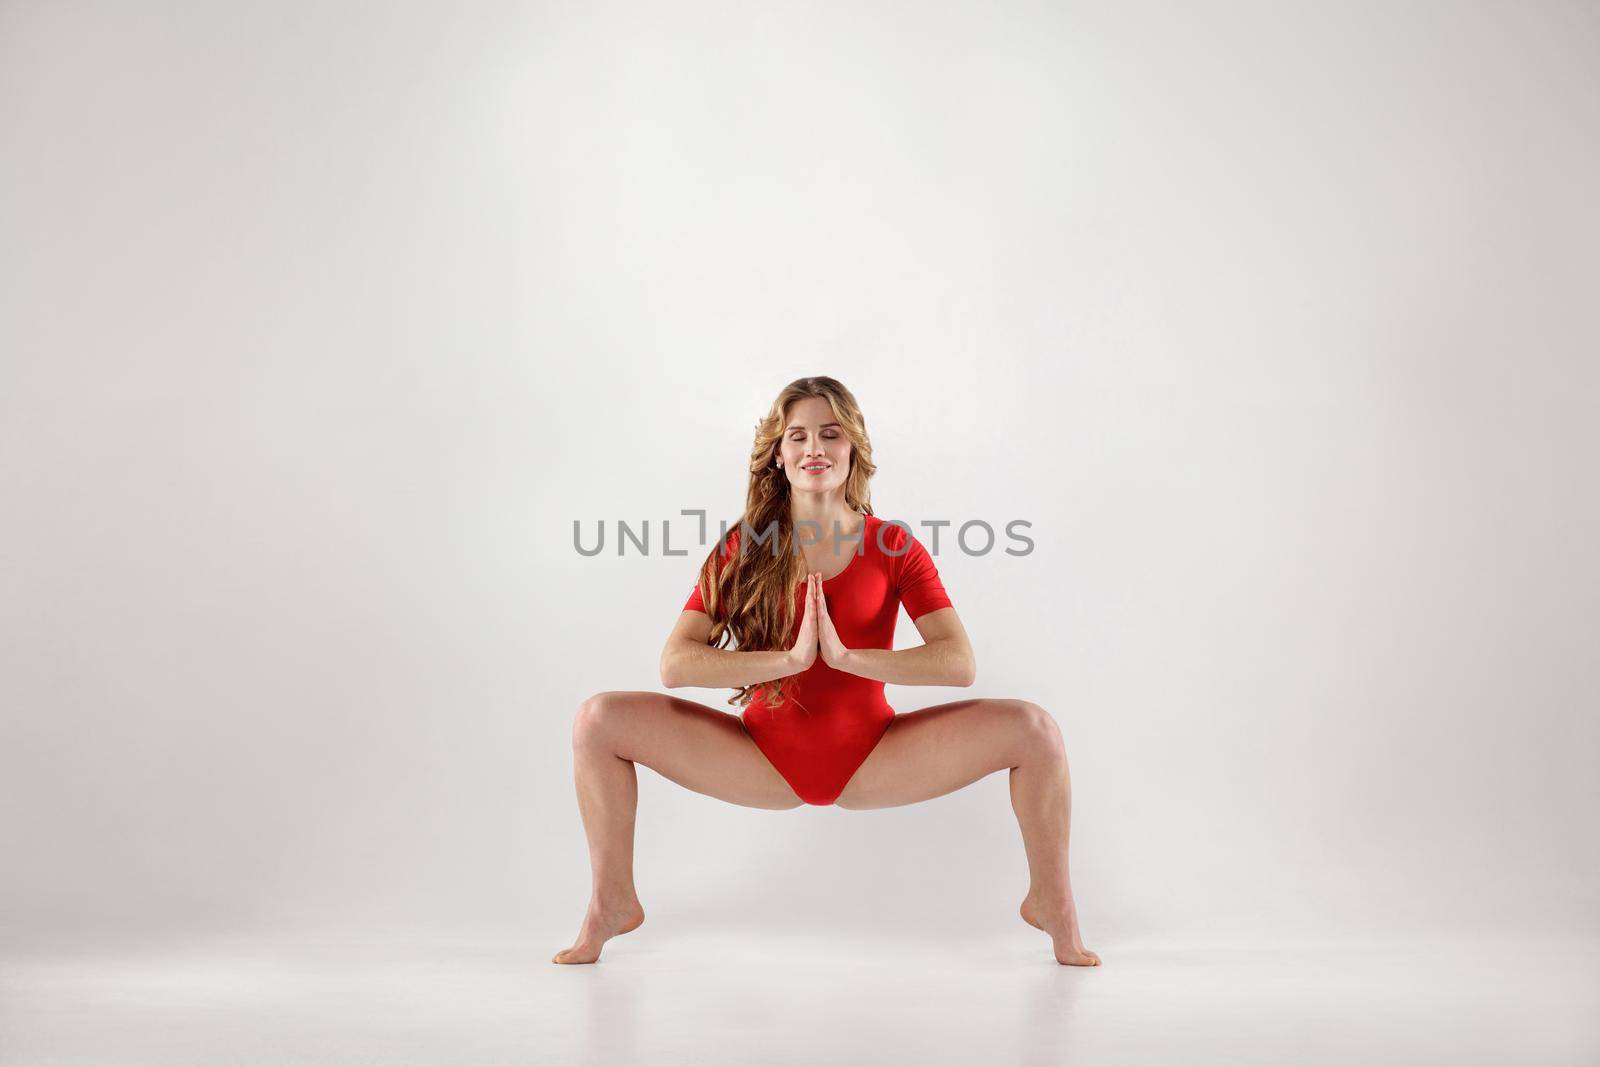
[(928, 753), (697, 747)]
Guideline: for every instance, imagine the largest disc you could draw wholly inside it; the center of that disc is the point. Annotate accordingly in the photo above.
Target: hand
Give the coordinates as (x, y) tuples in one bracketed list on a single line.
[(804, 652), (834, 654)]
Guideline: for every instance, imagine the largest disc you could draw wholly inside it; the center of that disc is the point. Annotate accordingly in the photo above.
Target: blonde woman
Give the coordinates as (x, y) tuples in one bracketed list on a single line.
[(807, 589)]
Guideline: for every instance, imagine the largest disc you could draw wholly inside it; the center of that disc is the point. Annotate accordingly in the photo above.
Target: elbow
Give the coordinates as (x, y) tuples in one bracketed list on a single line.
[(669, 671), (966, 671)]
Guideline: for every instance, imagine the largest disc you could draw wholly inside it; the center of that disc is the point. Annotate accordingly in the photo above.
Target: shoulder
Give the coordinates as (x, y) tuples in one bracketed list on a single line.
[(880, 537), (891, 535)]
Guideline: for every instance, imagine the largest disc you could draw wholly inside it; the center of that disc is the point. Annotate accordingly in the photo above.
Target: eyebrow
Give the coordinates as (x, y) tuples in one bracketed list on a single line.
[(801, 426)]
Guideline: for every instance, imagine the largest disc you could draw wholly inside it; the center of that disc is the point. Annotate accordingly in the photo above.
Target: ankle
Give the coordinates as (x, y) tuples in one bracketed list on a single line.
[(1052, 898), (614, 900)]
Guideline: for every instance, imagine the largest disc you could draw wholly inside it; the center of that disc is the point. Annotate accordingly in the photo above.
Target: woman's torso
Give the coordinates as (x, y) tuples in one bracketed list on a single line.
[(863, 606)]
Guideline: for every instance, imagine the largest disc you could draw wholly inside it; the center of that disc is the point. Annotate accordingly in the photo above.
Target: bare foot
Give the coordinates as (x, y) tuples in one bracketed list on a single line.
[(600, 924), (1061, 923)]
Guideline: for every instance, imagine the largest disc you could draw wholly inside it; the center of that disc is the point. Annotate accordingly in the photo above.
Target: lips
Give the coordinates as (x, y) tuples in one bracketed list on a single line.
[(819, 469)]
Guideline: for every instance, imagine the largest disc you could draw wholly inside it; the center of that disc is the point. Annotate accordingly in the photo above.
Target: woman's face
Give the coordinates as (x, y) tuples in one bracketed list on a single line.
[(814, 450)]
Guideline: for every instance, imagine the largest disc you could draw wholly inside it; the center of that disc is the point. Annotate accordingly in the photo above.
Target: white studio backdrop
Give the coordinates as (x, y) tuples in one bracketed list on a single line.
[(321, 326)]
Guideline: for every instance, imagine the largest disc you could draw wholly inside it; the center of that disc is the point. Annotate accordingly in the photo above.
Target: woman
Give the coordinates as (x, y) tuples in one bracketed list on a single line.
[(810, 668)]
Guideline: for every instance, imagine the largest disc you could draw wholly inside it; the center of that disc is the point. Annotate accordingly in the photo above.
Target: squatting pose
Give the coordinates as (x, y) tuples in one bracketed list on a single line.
[(806, 589)]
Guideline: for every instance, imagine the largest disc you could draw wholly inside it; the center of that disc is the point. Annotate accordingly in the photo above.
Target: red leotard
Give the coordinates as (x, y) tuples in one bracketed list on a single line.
[(830, 721)]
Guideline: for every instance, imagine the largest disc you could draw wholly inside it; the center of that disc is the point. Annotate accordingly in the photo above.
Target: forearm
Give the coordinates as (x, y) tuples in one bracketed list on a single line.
[(935, 663), (704, 667)]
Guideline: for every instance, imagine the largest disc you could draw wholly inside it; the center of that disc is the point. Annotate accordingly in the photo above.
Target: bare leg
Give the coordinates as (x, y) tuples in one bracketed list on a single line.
[(1041, 796), (928, 753), (698, 747), (608, 798)]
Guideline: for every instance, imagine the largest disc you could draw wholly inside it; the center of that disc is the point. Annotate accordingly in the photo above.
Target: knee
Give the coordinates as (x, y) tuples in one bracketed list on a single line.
[(1040, 728), (595, 718)]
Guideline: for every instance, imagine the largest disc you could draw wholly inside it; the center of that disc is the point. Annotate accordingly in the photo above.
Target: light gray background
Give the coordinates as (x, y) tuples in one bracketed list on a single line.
[(320, 325)]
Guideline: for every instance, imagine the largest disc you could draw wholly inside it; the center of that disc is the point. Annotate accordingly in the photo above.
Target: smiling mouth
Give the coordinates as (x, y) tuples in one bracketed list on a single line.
[(817, 469)]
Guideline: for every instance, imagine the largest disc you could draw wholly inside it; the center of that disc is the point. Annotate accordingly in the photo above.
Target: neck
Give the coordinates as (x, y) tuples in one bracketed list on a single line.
[(824, 509)]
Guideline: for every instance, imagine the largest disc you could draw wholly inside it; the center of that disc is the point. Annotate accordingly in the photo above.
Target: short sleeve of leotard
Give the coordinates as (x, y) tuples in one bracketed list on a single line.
[(916, 578), (696, 602)]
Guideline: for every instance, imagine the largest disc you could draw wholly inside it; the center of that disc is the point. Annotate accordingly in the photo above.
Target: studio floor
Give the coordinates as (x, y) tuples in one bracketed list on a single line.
[(688, 997)]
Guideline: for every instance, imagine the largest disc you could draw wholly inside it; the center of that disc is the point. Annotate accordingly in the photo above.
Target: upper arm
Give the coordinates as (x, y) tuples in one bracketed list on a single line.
[(921, 592), (692, 626), (916, 579), (940, 624), (694, 623)]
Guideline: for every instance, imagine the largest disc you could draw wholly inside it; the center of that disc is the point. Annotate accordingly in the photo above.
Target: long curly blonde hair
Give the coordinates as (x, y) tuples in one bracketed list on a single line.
[(749, 593)]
